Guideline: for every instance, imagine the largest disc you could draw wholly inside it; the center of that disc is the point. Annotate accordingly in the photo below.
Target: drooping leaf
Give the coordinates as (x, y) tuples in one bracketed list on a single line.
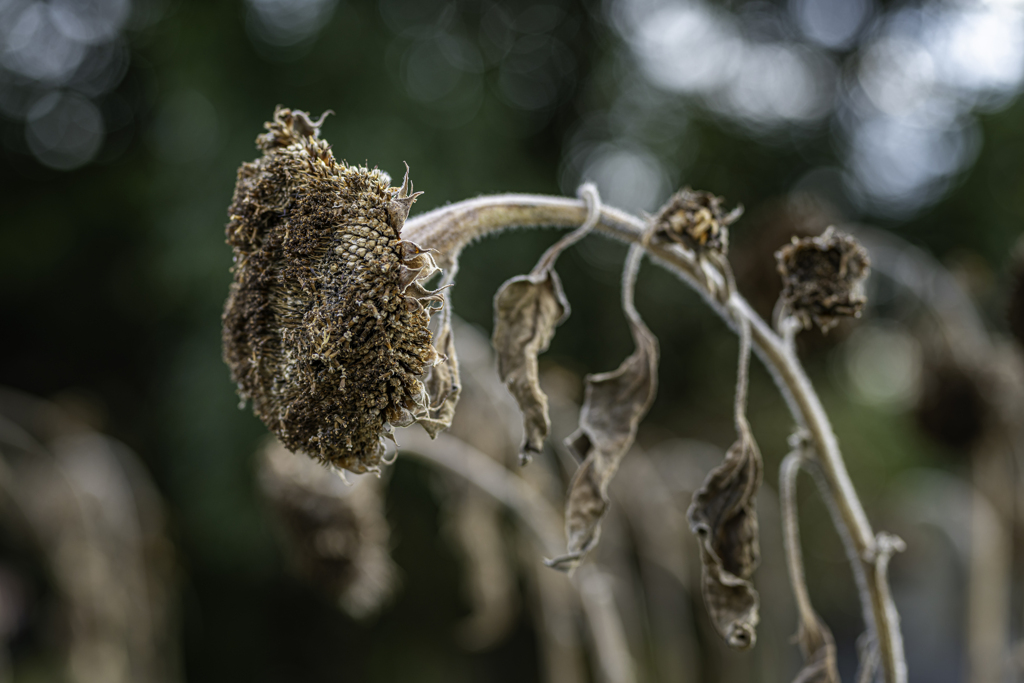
[(527, 309), (819, 651), (614, 404), (724, 518), (442, 380)]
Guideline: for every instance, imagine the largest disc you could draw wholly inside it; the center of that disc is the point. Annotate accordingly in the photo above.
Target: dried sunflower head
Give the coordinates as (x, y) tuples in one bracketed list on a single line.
[(325, 326), (823, 278), (695, 220)]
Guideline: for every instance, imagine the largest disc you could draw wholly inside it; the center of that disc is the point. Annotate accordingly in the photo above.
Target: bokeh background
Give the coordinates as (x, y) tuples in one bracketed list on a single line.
[(122, 123)]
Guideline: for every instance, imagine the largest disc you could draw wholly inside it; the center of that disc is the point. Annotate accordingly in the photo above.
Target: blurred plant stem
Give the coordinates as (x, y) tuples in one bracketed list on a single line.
[(815, 638), (545, 524), (450, 228)]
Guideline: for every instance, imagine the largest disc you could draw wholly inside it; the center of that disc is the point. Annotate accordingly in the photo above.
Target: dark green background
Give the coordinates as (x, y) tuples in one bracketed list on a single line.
[(112, 278)]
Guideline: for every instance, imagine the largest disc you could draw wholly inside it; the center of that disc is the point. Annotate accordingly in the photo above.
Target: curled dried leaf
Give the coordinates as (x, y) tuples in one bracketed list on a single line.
[(819, 650), (442, 380), (724, 518), (527, 309), (613, 405), (723, 515), (696, 220), (823, 278)]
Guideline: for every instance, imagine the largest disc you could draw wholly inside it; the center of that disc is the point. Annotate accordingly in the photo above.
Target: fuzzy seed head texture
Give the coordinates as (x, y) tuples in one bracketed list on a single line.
[(823, 278), (695, 219), (325, 325)]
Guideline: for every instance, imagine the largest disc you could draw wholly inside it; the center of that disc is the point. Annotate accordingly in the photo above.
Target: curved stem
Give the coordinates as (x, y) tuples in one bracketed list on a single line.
[(526, 503), (450, 228), (543, 522), (788, 470)]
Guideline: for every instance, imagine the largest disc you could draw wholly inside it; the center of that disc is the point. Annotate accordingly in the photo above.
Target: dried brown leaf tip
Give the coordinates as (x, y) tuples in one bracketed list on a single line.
[(325, 326), (527, 309), (823, 278), (695, 219), (613, 405), (818, 648), (723, 515), (442, 381), (337, 533)]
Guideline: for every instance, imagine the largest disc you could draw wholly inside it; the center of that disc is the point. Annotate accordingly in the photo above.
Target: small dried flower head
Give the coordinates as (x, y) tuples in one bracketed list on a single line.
[(695, 220), (774, 223), (823, 278), (325, 326)]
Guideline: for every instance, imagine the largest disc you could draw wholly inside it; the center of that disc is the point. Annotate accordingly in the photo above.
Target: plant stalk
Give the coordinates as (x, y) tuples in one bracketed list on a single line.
[(450, 228), (611, 650)]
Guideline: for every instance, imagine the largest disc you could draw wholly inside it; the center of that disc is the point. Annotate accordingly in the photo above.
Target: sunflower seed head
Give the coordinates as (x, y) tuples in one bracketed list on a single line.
[(321, 330)]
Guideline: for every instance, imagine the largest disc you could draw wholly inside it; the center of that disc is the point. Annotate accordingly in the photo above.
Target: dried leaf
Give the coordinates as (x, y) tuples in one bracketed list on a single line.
[(613, 406), (819, 650), (442, 380), (724, 518), (527, 309), (82, 508)]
